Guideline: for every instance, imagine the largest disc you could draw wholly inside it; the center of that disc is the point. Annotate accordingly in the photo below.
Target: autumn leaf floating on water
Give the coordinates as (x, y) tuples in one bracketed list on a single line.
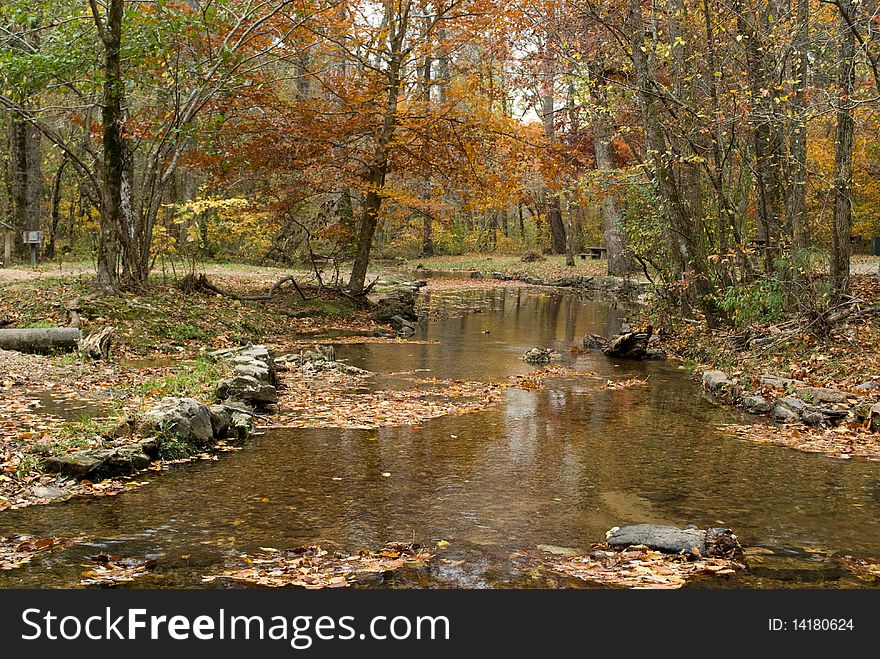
[(312, 567), (113, 570), (624, 384), (866, 569), (841, 442), (634, 567), (19, 550)]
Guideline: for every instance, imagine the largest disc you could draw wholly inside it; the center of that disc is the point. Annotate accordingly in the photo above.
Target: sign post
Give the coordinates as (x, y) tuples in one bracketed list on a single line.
[(34, 239)]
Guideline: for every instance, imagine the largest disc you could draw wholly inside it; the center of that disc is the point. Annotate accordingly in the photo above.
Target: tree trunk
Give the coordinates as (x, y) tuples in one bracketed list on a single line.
[(554, 211), (843, 153), (619, 260), (27, 175), (115, 149), (41, 340), (796, 202), (56, 210)]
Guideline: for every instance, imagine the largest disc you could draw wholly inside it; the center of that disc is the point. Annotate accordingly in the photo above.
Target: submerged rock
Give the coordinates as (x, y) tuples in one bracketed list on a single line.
[(673, 540)]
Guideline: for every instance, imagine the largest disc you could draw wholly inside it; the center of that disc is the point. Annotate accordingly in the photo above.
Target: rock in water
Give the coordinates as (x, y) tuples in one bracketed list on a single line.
[(673, 540), (540, 355)]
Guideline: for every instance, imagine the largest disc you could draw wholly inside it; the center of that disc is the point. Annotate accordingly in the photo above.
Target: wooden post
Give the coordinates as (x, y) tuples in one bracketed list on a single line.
[(7, 248)]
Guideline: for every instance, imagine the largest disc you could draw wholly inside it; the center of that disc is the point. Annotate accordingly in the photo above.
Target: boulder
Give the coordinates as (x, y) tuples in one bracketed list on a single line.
[(788, 409), (255, 370), (822, 395), (715, 381), (399, 302), (540, 355), (221, 417), (246, 389), (673, 540), (780, 383), (186, 419), (756, 405), (874, 417), (870, 385), (96, 465)]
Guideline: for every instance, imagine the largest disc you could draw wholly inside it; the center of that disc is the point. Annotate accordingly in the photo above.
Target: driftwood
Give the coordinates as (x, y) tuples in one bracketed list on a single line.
[(202, 283), (630, 345), (97, 344), (42, 339)]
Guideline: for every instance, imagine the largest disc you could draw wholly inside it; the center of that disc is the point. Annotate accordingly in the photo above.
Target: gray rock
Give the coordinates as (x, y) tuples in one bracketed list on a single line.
[(870, 385), (822, 395), (184, 418), (788, 409), (221, 417), (540, 355), (241, 425), (756, 405), (406, 331), (780, 383), (47, 491), (247, 389), (476, 275), (669, 539), (673, 540), (874, 417), (96, 465), (253, 370), (150, 447), (399, 323), (716, 380)]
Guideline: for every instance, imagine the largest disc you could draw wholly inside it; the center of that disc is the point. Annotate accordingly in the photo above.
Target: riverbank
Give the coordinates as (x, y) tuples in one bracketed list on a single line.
[(820, 390)]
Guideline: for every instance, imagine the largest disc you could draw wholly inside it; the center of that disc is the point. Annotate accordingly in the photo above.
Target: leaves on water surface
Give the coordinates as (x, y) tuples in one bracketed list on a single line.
[(866, 569), (19, 550), (841, 442), (313, 568), (624, 384), (633, 567), (112, 570)]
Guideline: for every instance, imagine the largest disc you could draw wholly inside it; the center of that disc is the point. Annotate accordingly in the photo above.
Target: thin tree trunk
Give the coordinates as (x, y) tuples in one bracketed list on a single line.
[(554, 210), (843, 153), (796, 202)]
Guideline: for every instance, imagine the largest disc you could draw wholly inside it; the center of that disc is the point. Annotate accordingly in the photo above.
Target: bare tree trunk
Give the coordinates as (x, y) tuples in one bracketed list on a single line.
[(56, 203), (554, 210), (843, 153), (796, 202), (27, 175), (619, 260), (114, 145)]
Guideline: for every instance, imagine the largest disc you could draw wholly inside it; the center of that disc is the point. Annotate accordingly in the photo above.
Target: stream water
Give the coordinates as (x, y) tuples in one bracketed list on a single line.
[(555, 466)]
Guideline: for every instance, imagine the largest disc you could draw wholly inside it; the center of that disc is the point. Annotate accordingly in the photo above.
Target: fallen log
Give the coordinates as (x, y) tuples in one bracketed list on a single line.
[(41, 339)]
